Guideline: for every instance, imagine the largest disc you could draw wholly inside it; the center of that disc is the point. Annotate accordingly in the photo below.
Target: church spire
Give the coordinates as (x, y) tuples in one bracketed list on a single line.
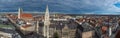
[(46, 23), (46, 20), (47, 13), (19, 12)]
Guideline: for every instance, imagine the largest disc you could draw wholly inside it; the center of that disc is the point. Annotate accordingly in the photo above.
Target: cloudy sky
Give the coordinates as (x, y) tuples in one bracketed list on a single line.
[(63, 6)]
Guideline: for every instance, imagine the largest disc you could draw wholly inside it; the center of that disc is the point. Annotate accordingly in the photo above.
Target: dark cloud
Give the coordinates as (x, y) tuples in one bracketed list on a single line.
[(64, 6)]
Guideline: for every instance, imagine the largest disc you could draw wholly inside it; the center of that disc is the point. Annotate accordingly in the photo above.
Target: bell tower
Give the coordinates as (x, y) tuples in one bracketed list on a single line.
[(46, 23), (19, 12)]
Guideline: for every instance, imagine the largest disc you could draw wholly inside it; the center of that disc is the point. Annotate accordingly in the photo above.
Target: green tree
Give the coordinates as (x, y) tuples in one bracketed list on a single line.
[(55, 35)]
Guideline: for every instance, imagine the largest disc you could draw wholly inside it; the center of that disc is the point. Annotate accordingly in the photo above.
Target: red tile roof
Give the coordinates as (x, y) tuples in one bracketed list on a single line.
[(104, 28), (26, 15), (117, 34)]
